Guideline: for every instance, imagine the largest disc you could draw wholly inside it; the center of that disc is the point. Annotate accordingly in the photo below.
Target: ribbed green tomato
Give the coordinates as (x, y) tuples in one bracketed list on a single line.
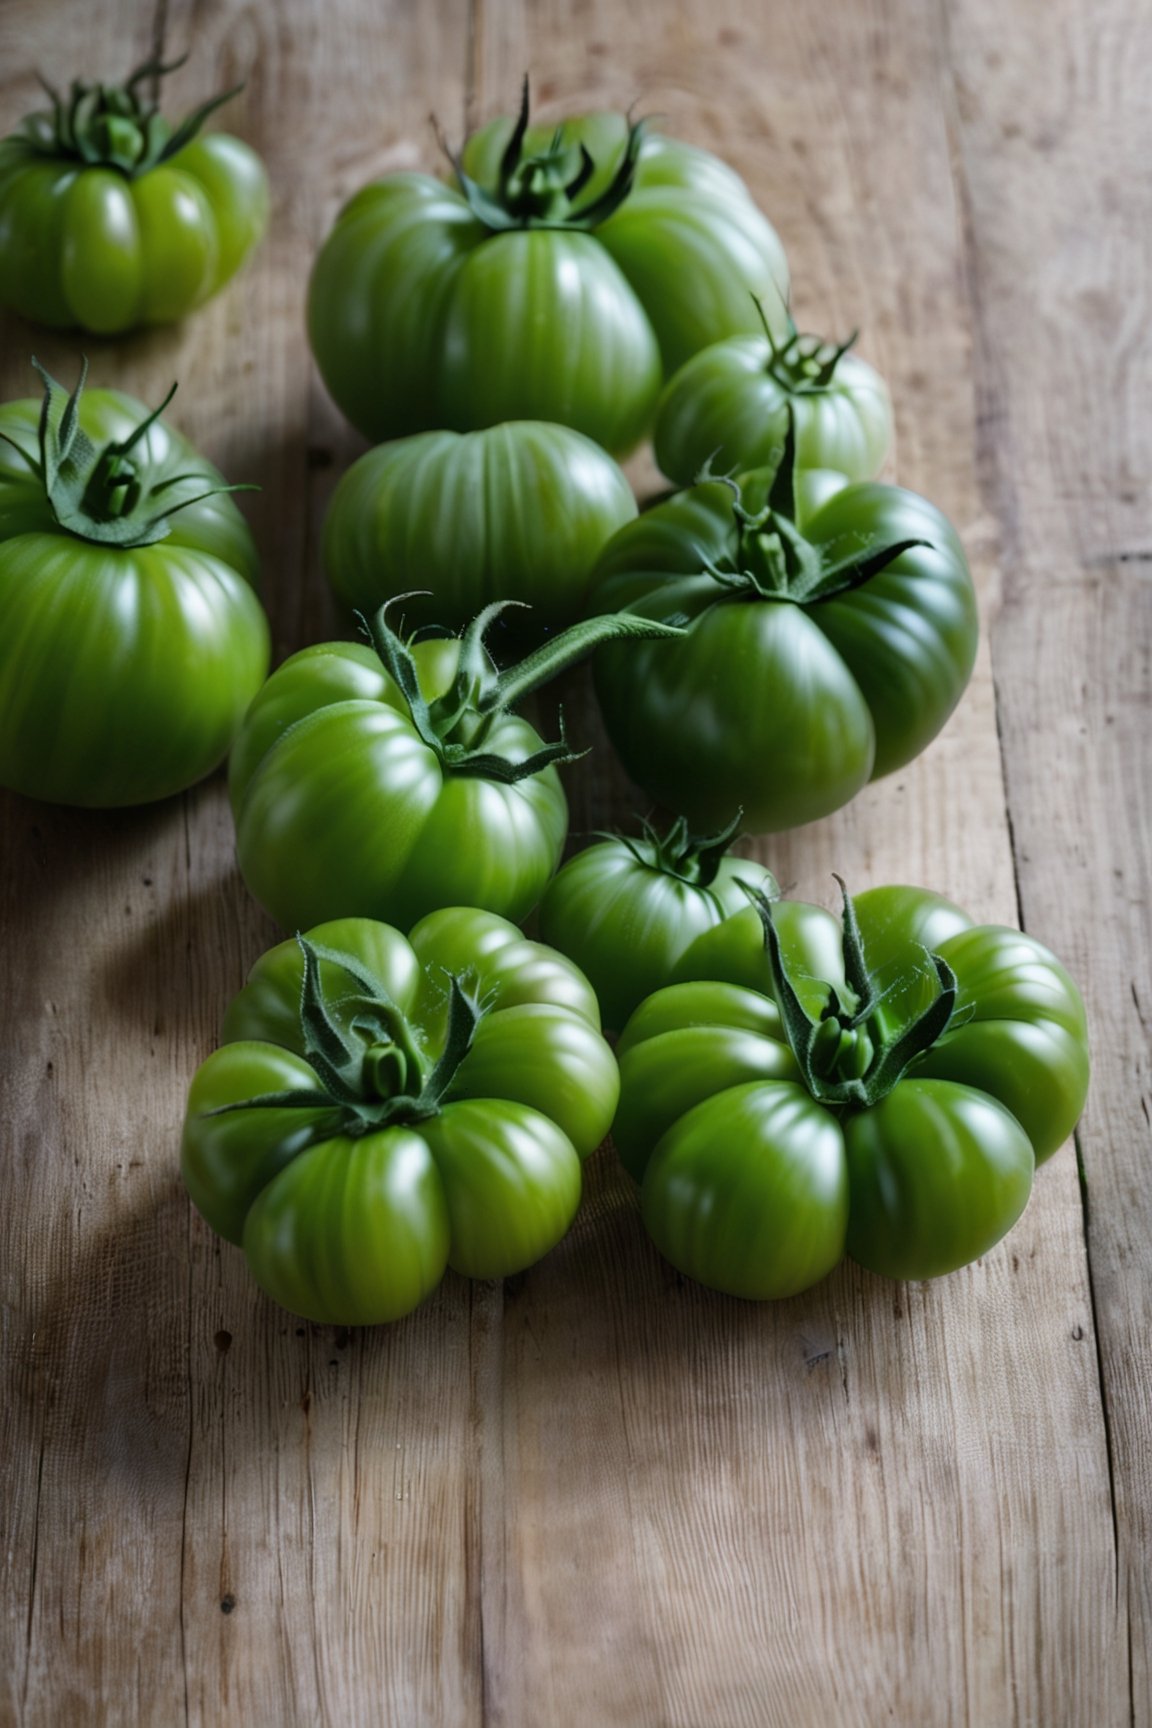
[(110, 220), (883, 1088), (731, 402), (131, 637), (568, 271), (518, 512), (627, 911), (388, 781), (828, 645), (383, 1108)]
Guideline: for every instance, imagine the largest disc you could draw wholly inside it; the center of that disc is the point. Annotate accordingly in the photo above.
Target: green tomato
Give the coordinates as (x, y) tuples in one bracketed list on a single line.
[(383, 1108), (628, 910), (390, 780), (110, 220), (519, 512), (563, 276), (887, 1095), (131, 637), (731, 401), (830, 641)]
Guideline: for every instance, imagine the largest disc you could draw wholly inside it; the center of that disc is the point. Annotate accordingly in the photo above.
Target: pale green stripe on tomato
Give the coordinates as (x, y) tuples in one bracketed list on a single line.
[(672, 1072), (695, 263), (543, 326), (748, 1193), (378, 299), (32, 206), (101, 648), (352, 1232), (938, 1174), (236, 186), (101, 260), (550, 1059), (314, 835), (501, 962), (178, 244), (753, 709), (511, 1182), (227, 1160), (1037, 1069)]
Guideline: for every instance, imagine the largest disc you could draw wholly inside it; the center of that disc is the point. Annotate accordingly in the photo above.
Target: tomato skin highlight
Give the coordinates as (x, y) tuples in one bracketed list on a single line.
[(355, 1221), (755, 1179), (125, 671)]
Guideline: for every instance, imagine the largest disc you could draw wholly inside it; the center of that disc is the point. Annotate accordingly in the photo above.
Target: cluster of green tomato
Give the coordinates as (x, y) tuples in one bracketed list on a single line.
[(787, 1087)]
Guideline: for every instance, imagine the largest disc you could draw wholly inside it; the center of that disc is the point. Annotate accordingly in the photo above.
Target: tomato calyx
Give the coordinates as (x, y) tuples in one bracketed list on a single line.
[(459, 724), (103, 495), (543, 190), (693, 859), (115, 125), (771, 558), (849, 1055), (801, 365), (370, 1072)]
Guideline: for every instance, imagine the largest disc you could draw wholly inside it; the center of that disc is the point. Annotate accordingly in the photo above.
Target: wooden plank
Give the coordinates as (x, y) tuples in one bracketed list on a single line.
[(598, 1494), (866, 1504), (1059, 217)]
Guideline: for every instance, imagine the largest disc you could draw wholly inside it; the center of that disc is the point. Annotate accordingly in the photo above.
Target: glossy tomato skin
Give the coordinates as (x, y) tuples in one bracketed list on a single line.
[(419, 315), (724, 403), (626, 922), (357, 1230), (342, 809), (784, 709), (87, 247), (124, 672), (746, 1191), (518, 512)]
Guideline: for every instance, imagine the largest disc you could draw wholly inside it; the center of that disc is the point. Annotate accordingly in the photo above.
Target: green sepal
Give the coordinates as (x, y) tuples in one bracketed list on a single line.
[(97, 494), (458, 724), (802, 365), (773, 559), (691, 858), (543, 191), (113, 125), (844, 1058), (348, 1075)]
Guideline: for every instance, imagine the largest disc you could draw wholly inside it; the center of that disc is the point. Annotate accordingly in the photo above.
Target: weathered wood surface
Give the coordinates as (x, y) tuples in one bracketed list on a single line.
[(598, 1494)]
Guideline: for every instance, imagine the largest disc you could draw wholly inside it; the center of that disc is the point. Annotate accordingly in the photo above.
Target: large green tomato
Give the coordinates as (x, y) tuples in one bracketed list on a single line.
[(828, 645), (384, 1108), (131, 638), (564, 275), (731, 402), (627, 911), (884, 1088), (390, 780), (109, 219), (518, 512)]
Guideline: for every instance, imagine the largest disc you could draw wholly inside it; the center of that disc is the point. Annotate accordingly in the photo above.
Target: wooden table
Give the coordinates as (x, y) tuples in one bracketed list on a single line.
[(599, 1495)]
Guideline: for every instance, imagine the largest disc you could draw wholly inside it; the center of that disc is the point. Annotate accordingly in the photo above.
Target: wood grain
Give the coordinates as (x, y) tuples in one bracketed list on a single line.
[(599, 1494)]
